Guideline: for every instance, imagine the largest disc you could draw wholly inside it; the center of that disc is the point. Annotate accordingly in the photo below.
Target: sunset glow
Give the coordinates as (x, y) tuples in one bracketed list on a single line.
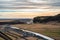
[(28, 8)]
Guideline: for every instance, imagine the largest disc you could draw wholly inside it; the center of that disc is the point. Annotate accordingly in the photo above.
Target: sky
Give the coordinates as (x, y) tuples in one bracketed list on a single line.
[(38, 6)]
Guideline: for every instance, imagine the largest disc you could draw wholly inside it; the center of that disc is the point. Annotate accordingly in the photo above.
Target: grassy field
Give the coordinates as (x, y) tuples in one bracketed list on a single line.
[(50, 30)]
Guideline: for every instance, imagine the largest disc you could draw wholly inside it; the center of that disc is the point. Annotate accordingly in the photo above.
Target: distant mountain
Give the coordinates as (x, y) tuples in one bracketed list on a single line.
[(14, 21)]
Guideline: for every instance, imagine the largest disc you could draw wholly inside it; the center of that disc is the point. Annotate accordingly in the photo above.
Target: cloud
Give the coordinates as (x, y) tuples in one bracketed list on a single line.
[(6, 0), (55, 4), (37, 1), (30, 4)]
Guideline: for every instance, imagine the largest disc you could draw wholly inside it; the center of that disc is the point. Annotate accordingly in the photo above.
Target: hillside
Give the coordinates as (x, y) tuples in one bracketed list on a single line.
[(46, 19)]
